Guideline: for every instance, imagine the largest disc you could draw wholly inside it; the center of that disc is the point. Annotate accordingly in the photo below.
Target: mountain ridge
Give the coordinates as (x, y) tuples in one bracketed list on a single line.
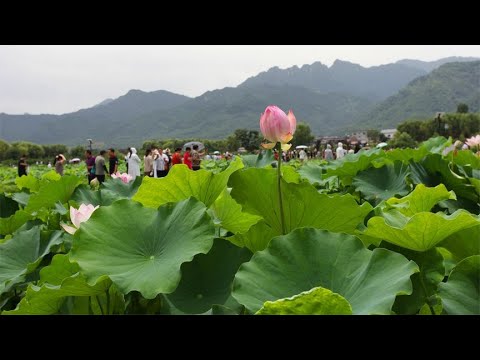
[(348, 100)]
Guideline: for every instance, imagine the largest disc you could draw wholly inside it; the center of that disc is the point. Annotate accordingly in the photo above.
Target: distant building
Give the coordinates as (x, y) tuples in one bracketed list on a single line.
[(389, 133), (359, 137), (332, 140)]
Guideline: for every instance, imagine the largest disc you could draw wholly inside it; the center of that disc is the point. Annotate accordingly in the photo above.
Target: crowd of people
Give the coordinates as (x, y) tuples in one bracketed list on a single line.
[(326, 153), (156, 162)]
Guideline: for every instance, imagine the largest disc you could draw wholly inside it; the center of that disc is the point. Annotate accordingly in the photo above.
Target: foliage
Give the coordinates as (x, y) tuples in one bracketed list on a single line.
[(378, 232), (303, 135)]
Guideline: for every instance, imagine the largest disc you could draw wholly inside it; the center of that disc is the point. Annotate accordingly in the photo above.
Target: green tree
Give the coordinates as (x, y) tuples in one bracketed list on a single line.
[(4, 146), (77, 152), (402, 140), (374, 135), (303, 135), (462, 108), (51, 151)]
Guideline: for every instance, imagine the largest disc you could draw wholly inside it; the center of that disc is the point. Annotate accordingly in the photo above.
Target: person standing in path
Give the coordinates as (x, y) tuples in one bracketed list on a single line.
[(196, 158), (100, 167), (177, 157), (134, 163), (302, 155), (148, 163), (22, 166), (160, 163), (112, 161), (187, 157), (90, 161), (59, 164), (341, 152), (328, 153)]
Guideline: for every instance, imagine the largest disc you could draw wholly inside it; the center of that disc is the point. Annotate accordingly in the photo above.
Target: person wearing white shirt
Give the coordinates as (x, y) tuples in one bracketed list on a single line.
[(159, 162), (133, 162), (341, 152)]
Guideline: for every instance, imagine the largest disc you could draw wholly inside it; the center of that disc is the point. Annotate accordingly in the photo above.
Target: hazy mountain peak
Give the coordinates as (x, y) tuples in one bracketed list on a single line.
[(432, 65)]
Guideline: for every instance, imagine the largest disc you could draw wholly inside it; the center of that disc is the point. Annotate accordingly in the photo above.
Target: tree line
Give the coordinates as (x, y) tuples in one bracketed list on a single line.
[(459, 126)]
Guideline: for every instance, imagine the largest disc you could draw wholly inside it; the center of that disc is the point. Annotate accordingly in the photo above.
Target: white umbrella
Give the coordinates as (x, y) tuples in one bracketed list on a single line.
[(382, 145), (191, 143), (74, 160), (301, 147)]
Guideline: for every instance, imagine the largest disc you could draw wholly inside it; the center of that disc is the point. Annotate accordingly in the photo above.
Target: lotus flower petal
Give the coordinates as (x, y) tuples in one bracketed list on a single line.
[(275, 124), (268, 146)]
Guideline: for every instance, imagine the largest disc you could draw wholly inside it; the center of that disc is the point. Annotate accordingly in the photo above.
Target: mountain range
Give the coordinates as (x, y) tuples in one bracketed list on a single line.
[(333, 100)]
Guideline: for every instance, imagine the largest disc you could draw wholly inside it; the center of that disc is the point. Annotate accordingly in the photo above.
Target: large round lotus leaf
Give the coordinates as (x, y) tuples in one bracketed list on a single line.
[(229, 215), (318, 301), (308, 258), (383, 183), (256, 190), (461, 293), (141, 248), (464, 243), (421, 199), (59, 280), (53, 192), (349, 166), (207, 280), (8, 207), (22, 253), (435, 170), (182, 183), (420, 232)]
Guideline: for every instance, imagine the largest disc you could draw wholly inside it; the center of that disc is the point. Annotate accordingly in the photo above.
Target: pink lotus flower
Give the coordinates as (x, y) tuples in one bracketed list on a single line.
[(78, 216), (473, 142), (126, 178), (276, 126)]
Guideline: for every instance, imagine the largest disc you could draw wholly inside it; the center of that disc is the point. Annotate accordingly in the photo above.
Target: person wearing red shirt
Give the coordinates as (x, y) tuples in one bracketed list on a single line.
[(177, 157), (187, 157)]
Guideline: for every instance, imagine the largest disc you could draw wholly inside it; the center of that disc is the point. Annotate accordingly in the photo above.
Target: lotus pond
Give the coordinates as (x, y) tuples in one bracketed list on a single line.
[(376, 232)]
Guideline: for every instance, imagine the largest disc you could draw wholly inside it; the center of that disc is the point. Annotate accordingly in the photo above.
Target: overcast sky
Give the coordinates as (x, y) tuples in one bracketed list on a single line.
[(59, 79)]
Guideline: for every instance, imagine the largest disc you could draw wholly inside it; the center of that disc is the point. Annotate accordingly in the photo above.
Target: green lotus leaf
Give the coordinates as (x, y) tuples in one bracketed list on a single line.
[(467, 157), (256, 190), (308, 258), (229, 215), (420, 232), (312, 173), (290, 174), (436, 145), (22, 253), (405, 155), (11, 224), (425, 282), (114, 189), (141, 248), (265, 158), (52, 175), (317, 301), (21, 198), (421, 199), (181, 183), (84, 195), (463, 243), (207, 280), (52, 192), (461, 293), (59, 280), (435, 170), (29, 182), (350, 165), (382, 183), (256, 238), (8, 206)]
